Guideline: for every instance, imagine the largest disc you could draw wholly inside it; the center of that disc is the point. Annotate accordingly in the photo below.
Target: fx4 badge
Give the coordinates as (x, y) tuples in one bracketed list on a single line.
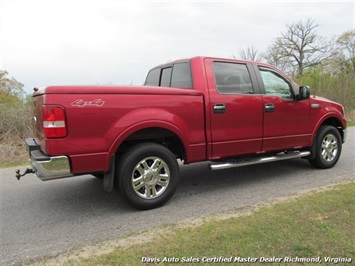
[(82, 103)]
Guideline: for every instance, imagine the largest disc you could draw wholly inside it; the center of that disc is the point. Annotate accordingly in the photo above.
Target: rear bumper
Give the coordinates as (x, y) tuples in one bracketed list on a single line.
[(44, 166)]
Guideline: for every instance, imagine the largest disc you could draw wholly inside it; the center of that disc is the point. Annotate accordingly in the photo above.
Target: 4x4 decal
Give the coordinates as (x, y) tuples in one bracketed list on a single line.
[(82, 103)]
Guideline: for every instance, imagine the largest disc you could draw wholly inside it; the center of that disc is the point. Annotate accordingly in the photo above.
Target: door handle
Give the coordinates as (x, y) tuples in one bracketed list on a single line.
[(269, 108), (219, 108)]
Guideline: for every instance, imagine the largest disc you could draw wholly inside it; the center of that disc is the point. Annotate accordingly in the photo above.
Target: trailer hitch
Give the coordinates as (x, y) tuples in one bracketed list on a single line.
[(27, 171)]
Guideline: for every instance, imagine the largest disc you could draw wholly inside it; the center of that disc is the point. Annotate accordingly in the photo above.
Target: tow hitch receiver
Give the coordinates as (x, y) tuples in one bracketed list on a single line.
[(27, 171)]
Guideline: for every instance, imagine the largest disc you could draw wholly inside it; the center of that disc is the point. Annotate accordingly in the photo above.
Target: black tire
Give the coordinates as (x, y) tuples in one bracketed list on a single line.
[(99, 176), (147, 175), (328, 147)]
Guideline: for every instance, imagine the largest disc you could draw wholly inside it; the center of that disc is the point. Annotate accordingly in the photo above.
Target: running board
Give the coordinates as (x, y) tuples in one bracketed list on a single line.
[(250, 161)]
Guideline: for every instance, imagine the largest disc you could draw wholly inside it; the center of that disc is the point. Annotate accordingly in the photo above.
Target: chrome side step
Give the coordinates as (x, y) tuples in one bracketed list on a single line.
[(250, 161)]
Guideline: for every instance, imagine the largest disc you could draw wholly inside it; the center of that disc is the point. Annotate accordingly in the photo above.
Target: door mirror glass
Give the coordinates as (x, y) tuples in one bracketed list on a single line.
[(304, 93)]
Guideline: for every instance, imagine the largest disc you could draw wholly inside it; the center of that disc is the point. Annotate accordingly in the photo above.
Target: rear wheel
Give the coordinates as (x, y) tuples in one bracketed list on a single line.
[(148, 175), (328, 147)]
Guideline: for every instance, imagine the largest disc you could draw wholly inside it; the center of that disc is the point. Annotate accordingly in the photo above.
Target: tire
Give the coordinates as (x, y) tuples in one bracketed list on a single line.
[(147, 175), (99, 176), (328, 147)]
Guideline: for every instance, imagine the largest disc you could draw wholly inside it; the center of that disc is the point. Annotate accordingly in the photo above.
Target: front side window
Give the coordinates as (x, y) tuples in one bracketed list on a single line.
[(275, 84), (232, 78)]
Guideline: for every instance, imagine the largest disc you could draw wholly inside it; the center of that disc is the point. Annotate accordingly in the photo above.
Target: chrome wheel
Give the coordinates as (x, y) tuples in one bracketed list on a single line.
[(326, 147), (147, 175), (150, 177), (329, 147)]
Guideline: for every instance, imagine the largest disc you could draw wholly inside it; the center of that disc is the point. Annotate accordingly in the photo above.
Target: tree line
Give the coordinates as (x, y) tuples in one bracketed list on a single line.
[(326, 65), (15, 119), (300, 48)]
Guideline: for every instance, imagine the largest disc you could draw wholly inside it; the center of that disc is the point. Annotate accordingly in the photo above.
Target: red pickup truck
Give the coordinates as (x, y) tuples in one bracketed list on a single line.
[(229, 112)]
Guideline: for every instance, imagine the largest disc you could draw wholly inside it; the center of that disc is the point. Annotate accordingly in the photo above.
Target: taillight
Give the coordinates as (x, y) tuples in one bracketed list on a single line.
[(54, 125)]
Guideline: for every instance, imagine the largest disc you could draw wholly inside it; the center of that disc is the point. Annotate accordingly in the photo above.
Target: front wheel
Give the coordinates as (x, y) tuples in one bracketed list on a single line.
[(328, 147), (147, 176)]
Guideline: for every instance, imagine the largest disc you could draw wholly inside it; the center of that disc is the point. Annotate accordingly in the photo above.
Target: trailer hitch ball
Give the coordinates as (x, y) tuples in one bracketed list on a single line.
[(27, 171)]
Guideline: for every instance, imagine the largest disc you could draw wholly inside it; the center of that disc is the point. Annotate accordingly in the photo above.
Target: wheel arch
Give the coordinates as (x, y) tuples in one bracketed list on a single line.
[(159, 132), (327, 147), (330, 121)]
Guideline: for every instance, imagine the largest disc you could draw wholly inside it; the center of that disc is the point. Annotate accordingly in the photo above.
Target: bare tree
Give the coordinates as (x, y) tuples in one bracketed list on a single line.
[(250, 54), (273, 57), (302, 46)]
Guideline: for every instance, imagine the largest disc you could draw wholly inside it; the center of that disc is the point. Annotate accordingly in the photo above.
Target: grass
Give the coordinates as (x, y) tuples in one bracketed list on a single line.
[(13, 154), (315, 225), (351, 123)]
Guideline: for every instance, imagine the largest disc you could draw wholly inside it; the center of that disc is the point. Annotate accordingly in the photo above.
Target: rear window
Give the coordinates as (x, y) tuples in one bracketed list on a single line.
[(177, 76)]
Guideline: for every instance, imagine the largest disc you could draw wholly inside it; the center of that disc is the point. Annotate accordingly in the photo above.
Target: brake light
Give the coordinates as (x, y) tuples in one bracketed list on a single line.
[(54, 125)]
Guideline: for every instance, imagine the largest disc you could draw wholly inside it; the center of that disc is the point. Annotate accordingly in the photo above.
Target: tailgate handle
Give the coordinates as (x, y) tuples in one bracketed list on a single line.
[(219, 108)]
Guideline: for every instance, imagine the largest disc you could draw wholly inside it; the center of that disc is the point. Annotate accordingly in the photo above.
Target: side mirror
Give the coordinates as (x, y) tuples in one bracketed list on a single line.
[(304, 93)]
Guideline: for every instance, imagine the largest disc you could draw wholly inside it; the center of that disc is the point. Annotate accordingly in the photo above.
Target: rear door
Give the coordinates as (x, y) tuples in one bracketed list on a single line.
[(286, 120), (235, 107)]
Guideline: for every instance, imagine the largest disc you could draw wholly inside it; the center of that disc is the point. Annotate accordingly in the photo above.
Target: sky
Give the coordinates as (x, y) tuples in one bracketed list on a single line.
[(116, 42)]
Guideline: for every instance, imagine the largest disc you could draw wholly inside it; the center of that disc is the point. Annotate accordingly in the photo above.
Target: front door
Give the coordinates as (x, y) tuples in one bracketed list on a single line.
[(286, 120)]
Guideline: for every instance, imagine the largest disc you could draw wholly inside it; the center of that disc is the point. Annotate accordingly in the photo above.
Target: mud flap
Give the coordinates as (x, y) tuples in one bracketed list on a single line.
[(312, 150), (110, 175)]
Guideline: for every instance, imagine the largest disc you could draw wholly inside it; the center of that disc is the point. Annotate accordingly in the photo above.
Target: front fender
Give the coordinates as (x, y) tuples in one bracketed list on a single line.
[(333, 119)]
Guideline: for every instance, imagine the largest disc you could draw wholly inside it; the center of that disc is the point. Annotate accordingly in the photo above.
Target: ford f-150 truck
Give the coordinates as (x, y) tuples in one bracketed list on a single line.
[(228, 112)]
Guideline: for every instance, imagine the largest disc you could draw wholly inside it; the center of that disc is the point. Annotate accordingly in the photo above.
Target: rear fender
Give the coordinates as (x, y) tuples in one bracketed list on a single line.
[(148, 118)]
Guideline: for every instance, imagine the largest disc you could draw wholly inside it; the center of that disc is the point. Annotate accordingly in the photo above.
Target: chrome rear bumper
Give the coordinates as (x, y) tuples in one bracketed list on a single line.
[(44, 166)]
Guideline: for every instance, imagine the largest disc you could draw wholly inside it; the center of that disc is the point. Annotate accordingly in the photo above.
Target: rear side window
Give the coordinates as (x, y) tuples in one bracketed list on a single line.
[(232, 78), (181, 77), (165, 77), (153, 78), (176, 76)]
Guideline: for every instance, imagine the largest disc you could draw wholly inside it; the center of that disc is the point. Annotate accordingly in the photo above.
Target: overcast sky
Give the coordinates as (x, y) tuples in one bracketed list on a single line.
[(117, 42)]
